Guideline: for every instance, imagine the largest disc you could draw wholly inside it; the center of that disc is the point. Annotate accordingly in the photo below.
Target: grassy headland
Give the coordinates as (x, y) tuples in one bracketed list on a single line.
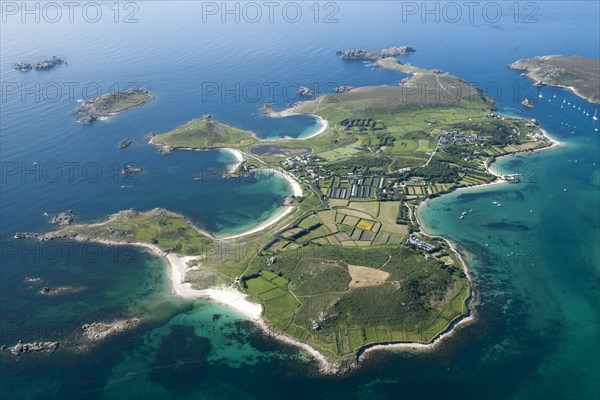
[(204, 134), (580, 74)]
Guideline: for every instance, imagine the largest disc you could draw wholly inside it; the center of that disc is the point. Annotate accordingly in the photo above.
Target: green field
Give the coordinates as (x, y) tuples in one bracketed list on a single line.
[(314, 302)]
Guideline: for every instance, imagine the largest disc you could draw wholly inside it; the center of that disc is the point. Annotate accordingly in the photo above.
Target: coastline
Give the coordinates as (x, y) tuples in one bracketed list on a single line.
[(297, 191), (291, 111), (103, 116), (227, 296), (239, 159), (534, 77), (451, 330)]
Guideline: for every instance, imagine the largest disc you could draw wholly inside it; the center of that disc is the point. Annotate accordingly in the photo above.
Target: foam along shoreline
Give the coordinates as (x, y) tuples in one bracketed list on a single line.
[(297, 192)]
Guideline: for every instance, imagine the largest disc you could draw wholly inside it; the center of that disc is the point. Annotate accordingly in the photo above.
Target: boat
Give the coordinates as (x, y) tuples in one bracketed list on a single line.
[(498, 205), (595, 117)]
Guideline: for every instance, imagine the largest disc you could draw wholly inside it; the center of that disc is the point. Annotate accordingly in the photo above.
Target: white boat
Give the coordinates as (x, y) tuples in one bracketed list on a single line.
[(595, 117)]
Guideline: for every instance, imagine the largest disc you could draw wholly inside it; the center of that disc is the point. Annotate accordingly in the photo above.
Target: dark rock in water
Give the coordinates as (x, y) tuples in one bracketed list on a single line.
[(86, 119), (180, 359), (128, 169), (35, 347), (22, 66), (61, 290), (125, 143), (48, 64)]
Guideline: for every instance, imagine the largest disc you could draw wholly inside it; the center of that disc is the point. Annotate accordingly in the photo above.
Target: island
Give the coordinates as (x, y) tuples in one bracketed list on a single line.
[(109, 104), (346, 268), (580, 74), (202, 133)]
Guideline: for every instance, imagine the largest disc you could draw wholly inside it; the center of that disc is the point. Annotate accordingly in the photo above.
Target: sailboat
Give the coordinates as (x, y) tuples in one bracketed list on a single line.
[(595, 117)]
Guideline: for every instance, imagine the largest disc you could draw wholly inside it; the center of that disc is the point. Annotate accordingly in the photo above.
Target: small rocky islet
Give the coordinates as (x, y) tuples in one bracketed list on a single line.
[(39, 65)]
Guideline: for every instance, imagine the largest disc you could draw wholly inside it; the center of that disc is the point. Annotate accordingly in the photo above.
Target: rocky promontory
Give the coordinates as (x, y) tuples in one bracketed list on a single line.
[(305, 91), (373, 55), (63, 219)]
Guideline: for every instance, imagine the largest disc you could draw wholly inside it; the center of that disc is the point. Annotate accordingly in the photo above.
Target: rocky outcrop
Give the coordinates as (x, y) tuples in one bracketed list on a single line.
[(22, 66), (527, 103), (304, 91), (27, 235), (128, 169), (48, 64), (98, 331), (123, 144), (63, 219), (360, 54), (86, 119), (61, 290), (35, 347), (39, 65)]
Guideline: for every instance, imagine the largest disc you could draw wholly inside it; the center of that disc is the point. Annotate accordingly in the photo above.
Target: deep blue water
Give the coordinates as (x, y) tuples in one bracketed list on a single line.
[(537, 336)]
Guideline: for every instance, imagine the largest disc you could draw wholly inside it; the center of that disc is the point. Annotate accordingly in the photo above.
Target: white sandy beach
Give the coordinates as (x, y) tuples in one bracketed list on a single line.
[(288, 112), (297, 191), (239, 159)]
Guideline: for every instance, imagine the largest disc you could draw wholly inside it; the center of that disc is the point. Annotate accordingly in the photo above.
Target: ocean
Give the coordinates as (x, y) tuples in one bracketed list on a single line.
[(535, 259)]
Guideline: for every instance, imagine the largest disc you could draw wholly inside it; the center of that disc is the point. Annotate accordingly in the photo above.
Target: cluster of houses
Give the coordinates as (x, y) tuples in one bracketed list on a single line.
[(456, 136), (304, 168), (420, 243)]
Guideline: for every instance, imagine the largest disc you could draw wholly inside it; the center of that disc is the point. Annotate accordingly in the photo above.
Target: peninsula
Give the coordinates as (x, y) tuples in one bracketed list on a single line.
[(360, 54), (110, 104), (580, 74)]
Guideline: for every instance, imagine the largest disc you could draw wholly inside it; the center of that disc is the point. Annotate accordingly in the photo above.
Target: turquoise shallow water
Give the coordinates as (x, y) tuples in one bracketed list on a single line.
[(537, 278)]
